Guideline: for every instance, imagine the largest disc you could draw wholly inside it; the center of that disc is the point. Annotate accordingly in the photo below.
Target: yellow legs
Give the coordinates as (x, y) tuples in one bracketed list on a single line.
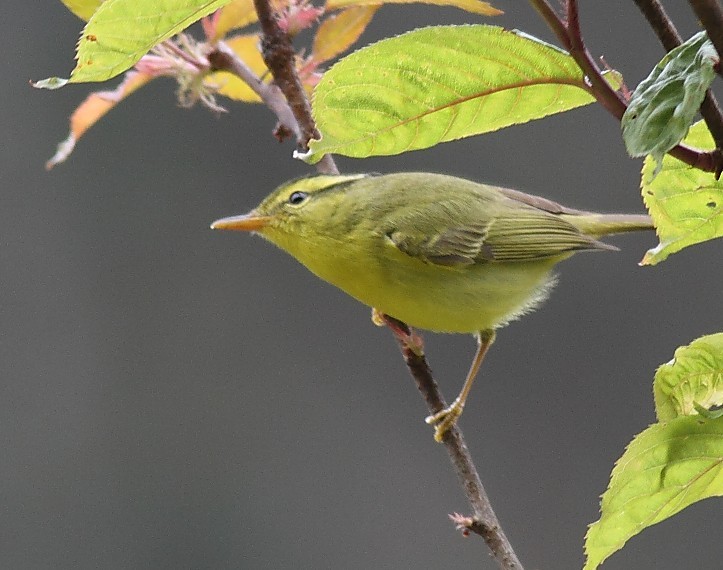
[(446, 418)]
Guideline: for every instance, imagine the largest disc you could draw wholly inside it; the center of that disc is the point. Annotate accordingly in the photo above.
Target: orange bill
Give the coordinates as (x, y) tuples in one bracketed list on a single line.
[(250, 222)]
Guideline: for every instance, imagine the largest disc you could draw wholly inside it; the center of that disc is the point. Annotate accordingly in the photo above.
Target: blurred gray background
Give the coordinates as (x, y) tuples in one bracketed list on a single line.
[(177, 398)]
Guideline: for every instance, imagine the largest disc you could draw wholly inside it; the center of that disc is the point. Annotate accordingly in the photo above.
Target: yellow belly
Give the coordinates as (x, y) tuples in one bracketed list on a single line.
[(428, 296)]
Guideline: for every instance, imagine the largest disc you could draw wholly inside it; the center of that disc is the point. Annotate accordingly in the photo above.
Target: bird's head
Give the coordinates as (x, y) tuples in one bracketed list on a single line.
[(295, 203), (299, 208)]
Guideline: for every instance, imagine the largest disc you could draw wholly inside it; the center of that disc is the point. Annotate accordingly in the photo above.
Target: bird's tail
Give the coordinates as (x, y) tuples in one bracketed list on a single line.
[(597, 225)]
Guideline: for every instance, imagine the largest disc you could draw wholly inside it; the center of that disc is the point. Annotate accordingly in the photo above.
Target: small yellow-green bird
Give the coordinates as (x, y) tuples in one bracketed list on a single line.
[(436, 252)]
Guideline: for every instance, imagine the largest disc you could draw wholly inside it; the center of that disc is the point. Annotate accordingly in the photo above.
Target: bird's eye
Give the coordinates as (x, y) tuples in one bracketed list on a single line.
[(297, 198)]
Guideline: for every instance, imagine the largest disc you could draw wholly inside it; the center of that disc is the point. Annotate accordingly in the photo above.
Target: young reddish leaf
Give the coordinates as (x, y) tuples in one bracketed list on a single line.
[(82, 8), (90, 111), (298, 16), (235, 14), (246, 47), (474, 6), (338, 33), (241, 13)]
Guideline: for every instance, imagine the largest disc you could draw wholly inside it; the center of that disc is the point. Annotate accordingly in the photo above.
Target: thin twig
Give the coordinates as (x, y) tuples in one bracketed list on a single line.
[(280, 57), (568, 33), (662, 25), (484, 522), (710, 15), (223, 58), (668, 35)]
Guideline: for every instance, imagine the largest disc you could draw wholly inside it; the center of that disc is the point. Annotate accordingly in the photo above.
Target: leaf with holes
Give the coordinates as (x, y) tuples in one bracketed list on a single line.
[(692, 381), (664, 469), (439, 84), (120, 32), (685, 203)]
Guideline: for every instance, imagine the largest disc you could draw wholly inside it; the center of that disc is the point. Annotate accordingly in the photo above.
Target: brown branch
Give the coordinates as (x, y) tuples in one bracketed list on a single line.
[(484, 522), (662, 25), (668, 35), (605, 94), (223, 58), (710, 15), (296, 117), (280, 58), (568, 33)]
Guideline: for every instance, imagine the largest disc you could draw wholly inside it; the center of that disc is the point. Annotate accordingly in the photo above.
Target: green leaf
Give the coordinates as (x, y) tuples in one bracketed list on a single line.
[(711, 413), (84, 9), (664, 469), (120, 32), (439, 84), (685, 203), (663, 106), (692, 381)]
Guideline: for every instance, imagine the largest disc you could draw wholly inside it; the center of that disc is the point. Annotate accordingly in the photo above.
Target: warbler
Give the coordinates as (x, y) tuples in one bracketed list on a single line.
[(437, 252)]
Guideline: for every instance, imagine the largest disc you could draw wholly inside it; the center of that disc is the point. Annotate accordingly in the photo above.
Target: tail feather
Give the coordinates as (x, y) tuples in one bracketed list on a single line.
[(597, 225)]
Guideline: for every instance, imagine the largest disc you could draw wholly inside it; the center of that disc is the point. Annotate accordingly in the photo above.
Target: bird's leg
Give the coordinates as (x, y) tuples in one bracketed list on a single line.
[(407, 337), (446, 418)]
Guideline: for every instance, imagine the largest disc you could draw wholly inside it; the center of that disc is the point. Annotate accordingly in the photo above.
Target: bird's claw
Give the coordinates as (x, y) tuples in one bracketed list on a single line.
[(409, 339), (444, 419)]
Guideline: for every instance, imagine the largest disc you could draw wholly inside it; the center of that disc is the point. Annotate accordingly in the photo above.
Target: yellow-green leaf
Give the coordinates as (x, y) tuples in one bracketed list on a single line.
[(231, 86), (84, 9), (692, 381), (235, 14), (474, 6), (90, 111), (439, 84), (337, 33), (664, 469), (685, 203), (120, 32)]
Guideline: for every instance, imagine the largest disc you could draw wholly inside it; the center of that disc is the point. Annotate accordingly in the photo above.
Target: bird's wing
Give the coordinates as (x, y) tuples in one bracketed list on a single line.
[(456, 246), (532, 234), (442, 234)]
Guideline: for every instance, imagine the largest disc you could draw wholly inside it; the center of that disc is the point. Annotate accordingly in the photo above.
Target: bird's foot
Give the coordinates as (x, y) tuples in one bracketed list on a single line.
[(402, 333), (444, 419)]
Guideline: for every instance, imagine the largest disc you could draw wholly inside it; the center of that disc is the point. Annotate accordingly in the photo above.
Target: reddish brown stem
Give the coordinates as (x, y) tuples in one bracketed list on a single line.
[(568, 33), (710, 14), (280, 58), (669, 37), (484, 522)]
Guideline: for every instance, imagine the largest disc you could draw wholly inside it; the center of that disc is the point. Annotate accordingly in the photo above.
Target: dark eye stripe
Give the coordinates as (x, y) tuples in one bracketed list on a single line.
[(297, 197)]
